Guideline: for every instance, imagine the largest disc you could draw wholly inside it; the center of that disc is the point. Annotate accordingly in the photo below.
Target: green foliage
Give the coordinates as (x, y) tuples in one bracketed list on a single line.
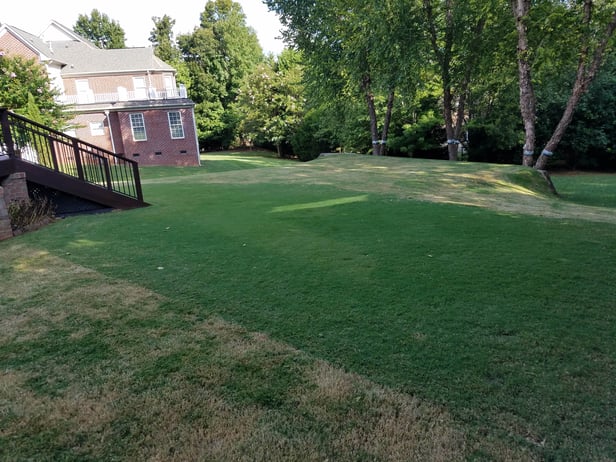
[(360, 51), (420, 139), (161, 37), (466, 50), (218, 55), (101, 30), (587, 144), (25, 88), (271, 101), (311, 138)]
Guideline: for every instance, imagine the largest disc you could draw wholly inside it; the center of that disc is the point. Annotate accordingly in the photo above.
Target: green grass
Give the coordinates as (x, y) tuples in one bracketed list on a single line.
[(442, 282), (588, 189)]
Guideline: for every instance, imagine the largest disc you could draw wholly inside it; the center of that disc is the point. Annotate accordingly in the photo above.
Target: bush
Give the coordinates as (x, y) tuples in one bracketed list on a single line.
[(309, 139), (422, 139), (28, 216)]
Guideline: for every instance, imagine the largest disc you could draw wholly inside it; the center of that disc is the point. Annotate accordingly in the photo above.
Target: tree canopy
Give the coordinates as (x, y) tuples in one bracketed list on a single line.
[(219, 54), (25, 88), (163, 41), (100, 29), (486, 80)]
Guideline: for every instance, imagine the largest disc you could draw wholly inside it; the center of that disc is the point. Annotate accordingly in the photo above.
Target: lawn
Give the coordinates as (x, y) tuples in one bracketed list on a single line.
[(350, 308)]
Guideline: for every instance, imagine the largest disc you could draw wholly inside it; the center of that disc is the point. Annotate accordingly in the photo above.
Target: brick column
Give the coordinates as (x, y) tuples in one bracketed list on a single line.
[(5, 223), (15, 188)]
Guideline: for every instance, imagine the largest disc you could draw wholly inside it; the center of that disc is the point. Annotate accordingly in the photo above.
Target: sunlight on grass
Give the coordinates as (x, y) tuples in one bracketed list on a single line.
[(80, 243), (319, 204), (31, 265)]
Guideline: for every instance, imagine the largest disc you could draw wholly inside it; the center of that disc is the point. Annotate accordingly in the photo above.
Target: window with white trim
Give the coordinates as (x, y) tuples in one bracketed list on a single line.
[(175, 125), (137, 125), (97, 128), (140, 88)]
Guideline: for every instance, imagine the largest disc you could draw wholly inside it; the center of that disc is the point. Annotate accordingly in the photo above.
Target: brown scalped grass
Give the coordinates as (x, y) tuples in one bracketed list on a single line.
[(156, 385)]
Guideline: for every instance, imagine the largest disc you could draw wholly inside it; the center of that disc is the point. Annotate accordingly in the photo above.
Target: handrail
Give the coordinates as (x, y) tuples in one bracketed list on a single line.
[(35, 143), (125, 96)]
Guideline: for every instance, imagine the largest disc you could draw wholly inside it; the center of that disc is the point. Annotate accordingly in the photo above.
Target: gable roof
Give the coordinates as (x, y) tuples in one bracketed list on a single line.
[(31, 41), (56, 32), (78, 56), (81, 59)]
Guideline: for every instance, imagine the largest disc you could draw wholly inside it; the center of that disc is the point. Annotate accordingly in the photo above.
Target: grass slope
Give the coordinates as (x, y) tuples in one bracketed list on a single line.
[(464, 286)]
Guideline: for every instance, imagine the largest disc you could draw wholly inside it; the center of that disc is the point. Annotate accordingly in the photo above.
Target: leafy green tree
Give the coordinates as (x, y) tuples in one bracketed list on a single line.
[(162, 39), (98, 28), (587, 26), (588, 142), (356, 49), (456, 31), (25, 88), (219, 54), (272, 100), (166, 48)]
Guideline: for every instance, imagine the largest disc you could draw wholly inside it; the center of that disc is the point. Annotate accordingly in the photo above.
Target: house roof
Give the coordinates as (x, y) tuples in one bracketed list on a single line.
[(81, 59), (78, 56), (31, 41)]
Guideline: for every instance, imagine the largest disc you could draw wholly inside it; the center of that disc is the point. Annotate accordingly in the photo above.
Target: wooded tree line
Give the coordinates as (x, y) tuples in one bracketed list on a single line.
[(515, 81), (496, 80)]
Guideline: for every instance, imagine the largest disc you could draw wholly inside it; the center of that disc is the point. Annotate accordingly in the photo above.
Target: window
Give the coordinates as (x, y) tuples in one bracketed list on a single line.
[(175, 125), (170, 91), (97, 128), (84, 94), (137, 124), (140, 88)]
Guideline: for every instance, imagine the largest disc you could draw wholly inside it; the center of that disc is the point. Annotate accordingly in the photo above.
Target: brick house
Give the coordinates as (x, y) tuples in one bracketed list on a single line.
[(123, 100)]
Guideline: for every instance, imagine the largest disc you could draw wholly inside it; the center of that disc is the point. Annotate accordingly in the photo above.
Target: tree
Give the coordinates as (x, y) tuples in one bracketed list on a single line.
[(355, 48), (271, 102), (161, 37), (528, 102), (219, 55), (455, 30), (25, 88), (588, 141), (591, 25), (104, 32)]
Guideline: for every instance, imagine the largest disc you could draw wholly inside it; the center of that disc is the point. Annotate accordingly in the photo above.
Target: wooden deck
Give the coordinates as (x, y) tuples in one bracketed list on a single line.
[(59, 162)]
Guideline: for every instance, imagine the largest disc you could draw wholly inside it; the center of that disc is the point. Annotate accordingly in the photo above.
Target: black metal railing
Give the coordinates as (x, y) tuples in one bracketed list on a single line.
[(32, 142)]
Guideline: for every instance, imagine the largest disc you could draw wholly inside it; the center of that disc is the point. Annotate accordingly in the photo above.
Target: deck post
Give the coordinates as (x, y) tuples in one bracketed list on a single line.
[(7, 137)]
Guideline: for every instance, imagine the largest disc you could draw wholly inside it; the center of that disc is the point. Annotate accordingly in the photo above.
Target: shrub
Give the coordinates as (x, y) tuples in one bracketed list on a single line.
[(30, 215)]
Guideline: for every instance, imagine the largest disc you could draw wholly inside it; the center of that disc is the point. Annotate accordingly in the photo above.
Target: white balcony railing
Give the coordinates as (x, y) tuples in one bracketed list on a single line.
[(124, 95)]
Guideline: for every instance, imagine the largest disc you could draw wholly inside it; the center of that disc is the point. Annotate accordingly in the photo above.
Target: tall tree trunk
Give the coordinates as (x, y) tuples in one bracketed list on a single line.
[(528, 100), (390, 107), (443, 53), (452, 141), (374, 126), (586, 73)]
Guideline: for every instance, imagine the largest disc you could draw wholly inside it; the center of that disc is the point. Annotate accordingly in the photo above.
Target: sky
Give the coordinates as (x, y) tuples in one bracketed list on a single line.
[(135, 17)]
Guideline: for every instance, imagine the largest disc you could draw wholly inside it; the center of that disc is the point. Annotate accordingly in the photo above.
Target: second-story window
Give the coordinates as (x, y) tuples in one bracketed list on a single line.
[(137, 124), (175, 125), (140, 88)]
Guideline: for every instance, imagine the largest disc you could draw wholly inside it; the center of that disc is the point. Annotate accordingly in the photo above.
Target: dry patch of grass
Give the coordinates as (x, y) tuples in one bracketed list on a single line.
[(93, 367)]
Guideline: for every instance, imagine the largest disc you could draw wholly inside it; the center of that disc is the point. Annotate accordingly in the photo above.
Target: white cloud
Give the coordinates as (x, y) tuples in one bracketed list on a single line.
[(135, 17)]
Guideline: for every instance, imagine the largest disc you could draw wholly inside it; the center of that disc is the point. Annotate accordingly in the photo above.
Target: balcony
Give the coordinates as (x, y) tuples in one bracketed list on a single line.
[(123, 95)]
